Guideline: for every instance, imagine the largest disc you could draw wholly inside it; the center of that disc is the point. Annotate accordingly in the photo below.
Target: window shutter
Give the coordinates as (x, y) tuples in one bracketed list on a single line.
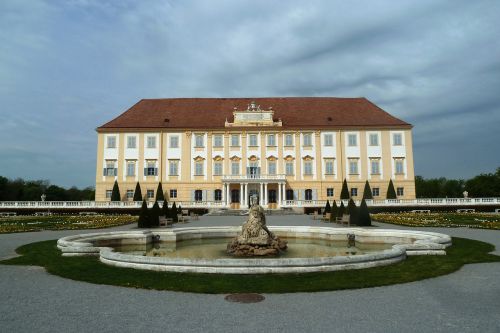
[(104, 172), (204, 197), (295, 195), (192, 195), (145, 171), (115, 172), (315, 194), (302, 194)]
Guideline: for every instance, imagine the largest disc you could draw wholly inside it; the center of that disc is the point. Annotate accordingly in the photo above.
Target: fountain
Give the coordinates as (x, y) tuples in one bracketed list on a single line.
[(255, 238)]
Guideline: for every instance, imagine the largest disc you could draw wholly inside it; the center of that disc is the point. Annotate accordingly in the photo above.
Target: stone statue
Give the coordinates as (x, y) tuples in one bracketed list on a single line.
[(255, 238)]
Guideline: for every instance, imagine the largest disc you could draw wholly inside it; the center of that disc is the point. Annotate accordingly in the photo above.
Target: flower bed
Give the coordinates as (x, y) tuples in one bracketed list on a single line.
[(446, 220), (62, 222)]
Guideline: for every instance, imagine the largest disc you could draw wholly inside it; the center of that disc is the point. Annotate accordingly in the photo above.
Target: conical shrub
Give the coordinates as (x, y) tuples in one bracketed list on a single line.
[(159, 193), (143, 221), (353, 212), (154, 216), (138, 192), (364, 218), (334, 211), (344, 194), (391, 193), (115, 194), (367, 192)]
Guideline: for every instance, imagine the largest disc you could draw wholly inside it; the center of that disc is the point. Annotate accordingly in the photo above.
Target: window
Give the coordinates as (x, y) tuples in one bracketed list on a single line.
[(307, 140), (329, 192), (173, 168), (151, 141), (328, 139), (198, 195), (400, 191), (375, 166), (130, 194), (271, 140), (352, 140), (150, 194), (111, 141), (198, 140), (399, 166), (373, 139), (130, 168), (174, 141), (217, 168), (198, 168), (235, 168), (308, 194), (131, 142), (329, 167), (308, 168), (271, 167), (235, 140), (218, 140), (289, 194), (218, 195), (151, 169), (353, 166), (397, 139), (289, 168), (354, 191), (289, 140), (375, 191), (109, 193), (173, 193), (110, 169), (253, 140)]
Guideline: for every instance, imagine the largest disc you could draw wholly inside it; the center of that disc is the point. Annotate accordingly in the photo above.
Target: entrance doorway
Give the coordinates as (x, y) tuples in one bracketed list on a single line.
[(252, 192)]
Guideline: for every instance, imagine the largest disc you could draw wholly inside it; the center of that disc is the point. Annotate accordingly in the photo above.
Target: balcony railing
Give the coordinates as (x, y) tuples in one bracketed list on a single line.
[(254, 177)]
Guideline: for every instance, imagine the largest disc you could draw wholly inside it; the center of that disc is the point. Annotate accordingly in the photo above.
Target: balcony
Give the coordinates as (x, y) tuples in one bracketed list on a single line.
[(254, 177)]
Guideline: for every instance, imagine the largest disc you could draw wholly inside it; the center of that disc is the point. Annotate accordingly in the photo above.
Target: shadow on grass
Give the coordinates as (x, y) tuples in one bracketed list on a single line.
[(90, 269)]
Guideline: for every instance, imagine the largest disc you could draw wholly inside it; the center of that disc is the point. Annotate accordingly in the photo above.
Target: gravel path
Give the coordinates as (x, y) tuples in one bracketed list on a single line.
[(33, 301)]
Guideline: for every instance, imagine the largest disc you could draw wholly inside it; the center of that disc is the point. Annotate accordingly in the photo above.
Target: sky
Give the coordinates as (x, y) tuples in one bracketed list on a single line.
[(67, 67)]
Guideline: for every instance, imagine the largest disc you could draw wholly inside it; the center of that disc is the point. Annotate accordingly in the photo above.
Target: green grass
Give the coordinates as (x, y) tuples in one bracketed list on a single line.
[(89, 269)]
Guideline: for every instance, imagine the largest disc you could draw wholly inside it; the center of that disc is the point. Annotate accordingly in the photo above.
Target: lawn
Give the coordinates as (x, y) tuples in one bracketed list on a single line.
[(447, 220), (90, 269), (62, 222)]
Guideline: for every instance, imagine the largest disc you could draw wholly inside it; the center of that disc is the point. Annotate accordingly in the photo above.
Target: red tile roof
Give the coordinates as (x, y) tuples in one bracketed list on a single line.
[(294, 112)]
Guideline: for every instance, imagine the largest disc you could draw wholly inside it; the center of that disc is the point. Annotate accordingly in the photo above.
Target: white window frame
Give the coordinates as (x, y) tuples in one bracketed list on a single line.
[(130, 194), (174, 141), (173, 193), (289, 166), (130, 167), (400, 191), (253, 140), (376, 191), (150, 141), (150, 194), (271, 140), (289, 140), (329, 165), (373, 139), (352, 140), (235, 140), (373, 162), (354, 170), (271, 167), (307, 137), (217, 168), (218, 141), (397, 139), (198, 168), (131, 142), (328, 140), (399, 166), (235, 168), (330, 191), (109, 194), (308, 168), (354, 191), (173, 167), (199, 141), (111, 141)]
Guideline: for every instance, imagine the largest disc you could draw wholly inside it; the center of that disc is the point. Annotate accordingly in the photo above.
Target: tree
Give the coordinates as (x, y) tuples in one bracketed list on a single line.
[(154, 216), (173, 213), (143, 221), (484, 185), (159, 193), (364, 218), (334, 211), (367, 192), (344, 194), (353, 212), (179, 210), (165, 210), (391, 193), (115, 194), (137, 192), (328, 208), (341, 209)]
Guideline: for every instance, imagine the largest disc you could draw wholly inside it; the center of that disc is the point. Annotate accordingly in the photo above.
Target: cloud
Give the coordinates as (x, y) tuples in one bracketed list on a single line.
[(67, 67)]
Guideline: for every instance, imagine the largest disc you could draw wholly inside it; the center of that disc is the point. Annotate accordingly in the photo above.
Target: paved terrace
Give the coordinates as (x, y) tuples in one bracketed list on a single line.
[(33, 301)]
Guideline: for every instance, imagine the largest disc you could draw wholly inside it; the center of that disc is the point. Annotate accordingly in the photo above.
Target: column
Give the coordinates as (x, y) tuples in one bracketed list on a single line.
[(241, 195), (261, 196), (265, 194), (223, 194), (246, 195), (228, 197), (279, 195)]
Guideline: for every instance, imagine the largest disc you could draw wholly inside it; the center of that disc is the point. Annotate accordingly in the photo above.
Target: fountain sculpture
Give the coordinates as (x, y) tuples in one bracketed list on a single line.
[(255, 238)]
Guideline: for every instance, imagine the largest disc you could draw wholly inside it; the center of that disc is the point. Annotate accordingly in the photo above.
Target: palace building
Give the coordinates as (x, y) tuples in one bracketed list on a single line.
[(210, 152)]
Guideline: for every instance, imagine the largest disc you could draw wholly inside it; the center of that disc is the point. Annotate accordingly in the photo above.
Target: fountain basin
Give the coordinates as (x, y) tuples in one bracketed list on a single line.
[(404, 242)]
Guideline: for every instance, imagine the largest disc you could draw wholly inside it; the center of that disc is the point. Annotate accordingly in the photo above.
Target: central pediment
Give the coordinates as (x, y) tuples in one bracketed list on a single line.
[(253, 116)]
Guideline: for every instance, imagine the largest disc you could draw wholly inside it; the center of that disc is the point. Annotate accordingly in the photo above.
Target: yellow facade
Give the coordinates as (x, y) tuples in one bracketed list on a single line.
[(351, 155)]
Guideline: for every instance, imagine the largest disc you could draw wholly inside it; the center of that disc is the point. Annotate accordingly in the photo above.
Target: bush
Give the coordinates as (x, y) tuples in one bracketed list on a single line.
[(328, 208), (137, 192), (115, 194), (165, 210), (341, 209), (159, 193), (143, 221), (391, 193), (154, 216), (367, 192), (173, 213), (334, 211), (353, 212), (344, 194), (364, 218)]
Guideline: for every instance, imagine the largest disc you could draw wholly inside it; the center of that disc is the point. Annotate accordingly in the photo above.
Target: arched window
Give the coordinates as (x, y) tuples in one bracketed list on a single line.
[(309, 194), (198, 195), (289, 194), (218, 195)]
